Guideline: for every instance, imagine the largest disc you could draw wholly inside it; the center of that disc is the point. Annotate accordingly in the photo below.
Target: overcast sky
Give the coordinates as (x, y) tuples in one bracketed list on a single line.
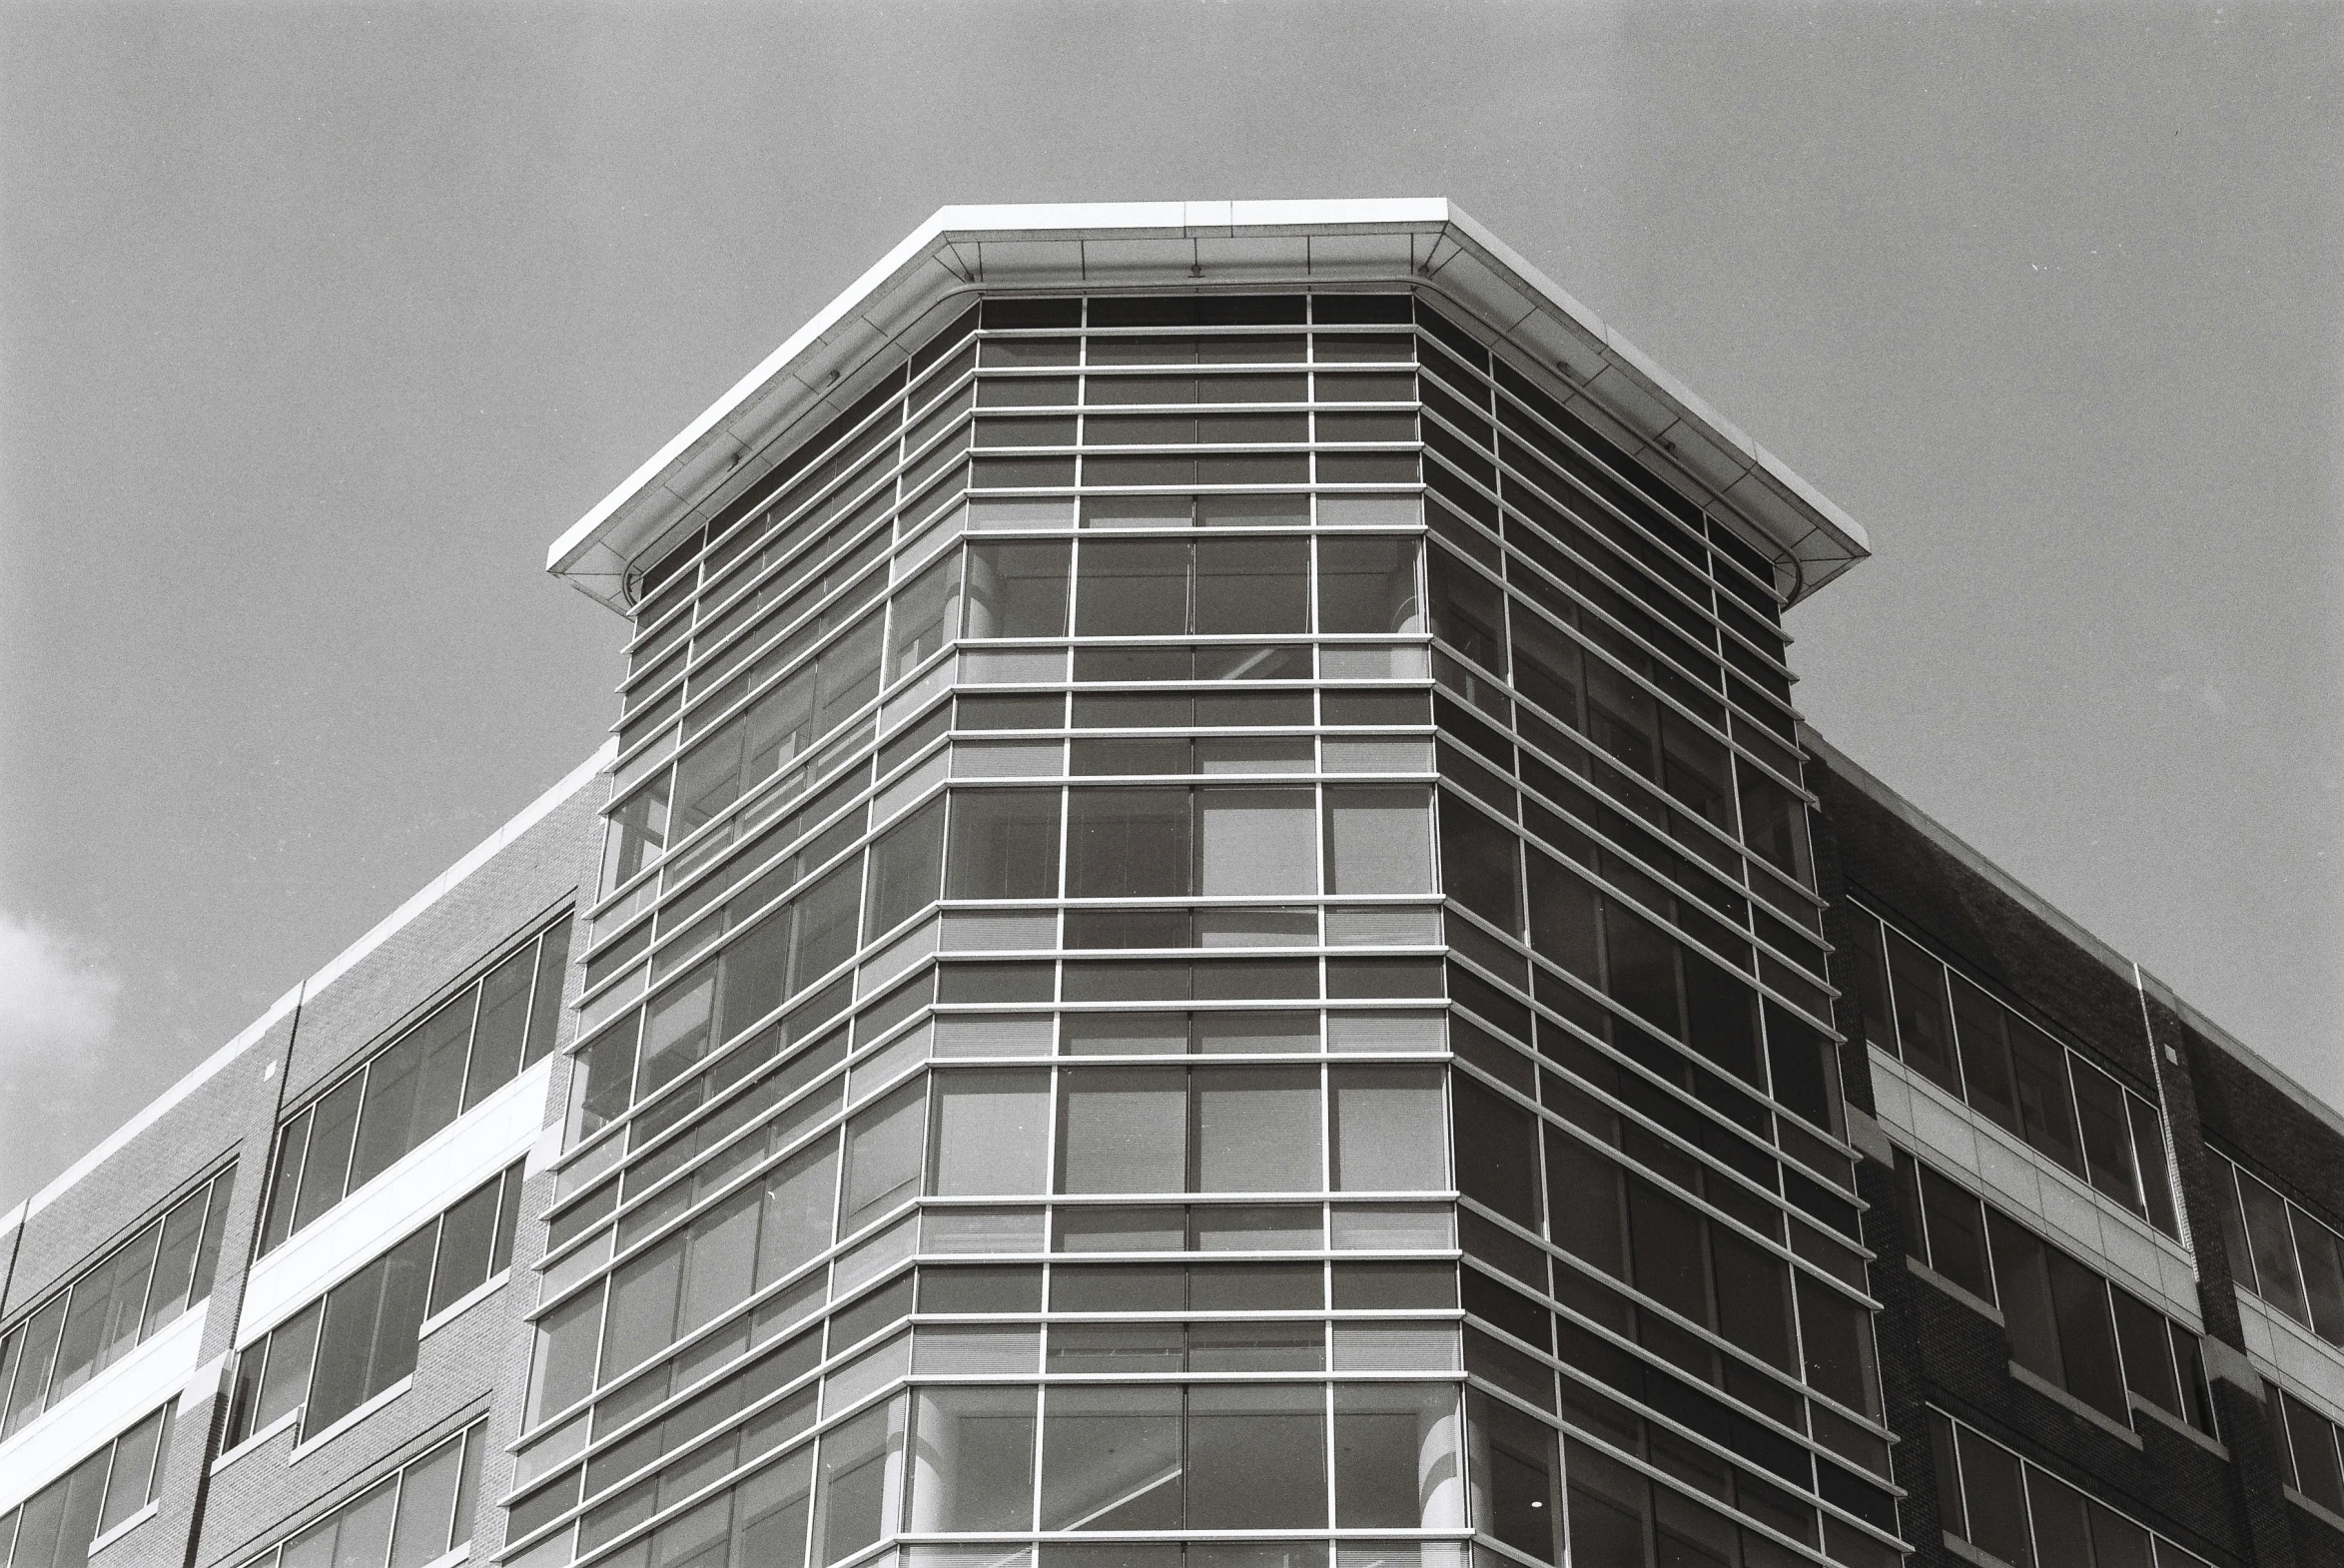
[(319, 322)]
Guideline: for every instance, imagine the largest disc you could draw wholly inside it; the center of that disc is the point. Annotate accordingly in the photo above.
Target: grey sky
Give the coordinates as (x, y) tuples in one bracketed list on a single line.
[(319, 322)]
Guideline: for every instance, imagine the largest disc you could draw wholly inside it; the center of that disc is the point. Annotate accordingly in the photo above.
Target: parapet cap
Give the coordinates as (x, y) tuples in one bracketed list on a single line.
[(1425, 243)]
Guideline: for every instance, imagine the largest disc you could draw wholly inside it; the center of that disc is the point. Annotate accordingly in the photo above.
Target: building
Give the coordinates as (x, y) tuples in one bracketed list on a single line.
[(1209, 932)]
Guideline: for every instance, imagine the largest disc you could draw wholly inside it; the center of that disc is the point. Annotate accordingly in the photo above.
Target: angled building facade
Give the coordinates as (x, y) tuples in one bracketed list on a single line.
[(1209, 936)]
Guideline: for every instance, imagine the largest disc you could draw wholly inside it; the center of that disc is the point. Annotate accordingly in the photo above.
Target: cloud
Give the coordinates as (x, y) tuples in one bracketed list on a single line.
[(56, 1002)]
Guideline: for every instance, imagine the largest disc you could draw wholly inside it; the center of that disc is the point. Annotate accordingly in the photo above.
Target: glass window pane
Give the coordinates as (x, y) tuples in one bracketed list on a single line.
[(2149, 1356), (2087, 1342), (2278, 1280), (2046, 1107), (545, 1006), (2062, 1525), (333, 1125), (2322, 1256), (131, 1469), (921, 613), (1924, 1034), (679, 1029), (1666, 1236), (1468, 610), (2234, 1221), (2107, 1135), (800, 1197), (1257, 1457), (1129, 843), (1754, 1298), (906, 866), (769, 1520), (426, 1507), (1516, 1476), (175, 1261), (467, 1234), (641, 1320), (1585, 1202), (1252, 587), (822, 936), (602, 1085), (2117, 1542), (1389, 1129), (563, 1369), (1996, 1500), (84, 1333), (1396, 1464), (29, 1395), (1836, 1335), (214, 1223), (1982, 1025), (883, 1148), (1956, 1234), (1480, 864), (1132, 588), (2313, 1440), (1016, 590), (720, 1261), (1111, 1458), (1256, 841), (1609, 1507), (2030, 1315), (497, 1037), (973, 1459), (1367, 585), (286, 1165), (283, 1368), (1258, 1129), (1496, 1150), (2148, 1148), (387, 1107), (992, 1134), (1004, 844), (852, 1497), (1378, 840), (1123, 1129)]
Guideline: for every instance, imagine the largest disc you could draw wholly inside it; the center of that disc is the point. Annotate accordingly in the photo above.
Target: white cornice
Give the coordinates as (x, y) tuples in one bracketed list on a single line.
[(961, 251)]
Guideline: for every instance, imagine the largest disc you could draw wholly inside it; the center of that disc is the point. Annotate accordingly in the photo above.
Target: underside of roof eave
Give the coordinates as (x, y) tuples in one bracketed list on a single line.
[(966, 251)]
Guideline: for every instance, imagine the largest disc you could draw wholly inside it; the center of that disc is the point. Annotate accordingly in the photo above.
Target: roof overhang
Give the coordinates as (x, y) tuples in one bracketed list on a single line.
[(1428, 245)]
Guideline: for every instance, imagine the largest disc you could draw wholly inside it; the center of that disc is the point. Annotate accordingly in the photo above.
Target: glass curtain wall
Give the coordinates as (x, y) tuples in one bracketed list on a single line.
[(1029, 1065)]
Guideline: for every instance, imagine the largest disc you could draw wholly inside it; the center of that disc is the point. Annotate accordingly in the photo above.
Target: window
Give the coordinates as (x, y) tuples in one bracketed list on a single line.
[(2011, 1072), (55, 1526), (1204, 587), (991, 1133), (472, 1044), (1004, 844), (903, 870), (1211, 840), (2280, 1252), (2021, 1514), (1367, 585), (129, 1295), (1016, 590), (2066, 1324), (1169, 1457), (2308, 1453), (414, 1516), (1182, 1129), (360, 1337), (1378, 840)]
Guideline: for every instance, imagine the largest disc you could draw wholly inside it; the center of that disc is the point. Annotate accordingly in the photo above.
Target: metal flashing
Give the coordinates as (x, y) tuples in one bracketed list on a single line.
[(961, 251)]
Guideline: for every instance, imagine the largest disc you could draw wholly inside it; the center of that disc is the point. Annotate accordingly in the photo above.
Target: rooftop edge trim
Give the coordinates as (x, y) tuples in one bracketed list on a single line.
[(815, 371)]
